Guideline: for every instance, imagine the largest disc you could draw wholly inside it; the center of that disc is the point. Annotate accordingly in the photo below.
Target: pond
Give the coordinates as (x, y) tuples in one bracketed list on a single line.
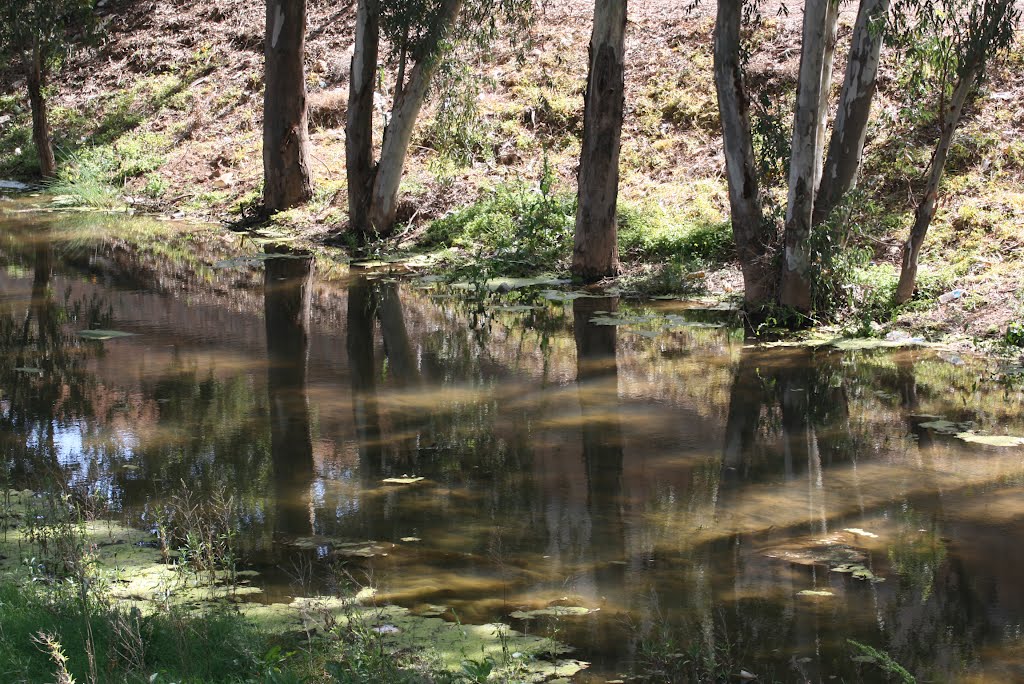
[(710, 502)]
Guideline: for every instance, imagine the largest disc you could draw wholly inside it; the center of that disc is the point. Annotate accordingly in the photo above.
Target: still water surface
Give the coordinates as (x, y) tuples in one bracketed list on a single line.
[(686, 483)]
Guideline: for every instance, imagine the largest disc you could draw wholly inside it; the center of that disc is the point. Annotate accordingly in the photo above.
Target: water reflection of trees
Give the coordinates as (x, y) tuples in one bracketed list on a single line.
[(287, 293), (44, 381)]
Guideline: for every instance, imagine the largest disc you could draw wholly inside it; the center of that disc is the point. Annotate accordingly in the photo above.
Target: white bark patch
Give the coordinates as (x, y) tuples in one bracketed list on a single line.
[(278, 25)]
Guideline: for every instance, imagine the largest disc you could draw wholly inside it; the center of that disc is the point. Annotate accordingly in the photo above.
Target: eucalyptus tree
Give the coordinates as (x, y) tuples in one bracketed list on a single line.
[(39, 34), (950, 44), (419, 34), (595, 251), (816, 181), (287, 179)]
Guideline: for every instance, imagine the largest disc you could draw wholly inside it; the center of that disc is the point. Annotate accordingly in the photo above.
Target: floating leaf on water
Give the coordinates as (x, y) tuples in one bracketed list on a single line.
[(371, 264), (942, 426), (562, 296), (991, 440), (103, 334), (402, 480), (814, 592), (858, 571), (431, 610), (860, 533), (863, 344), (552, 611)]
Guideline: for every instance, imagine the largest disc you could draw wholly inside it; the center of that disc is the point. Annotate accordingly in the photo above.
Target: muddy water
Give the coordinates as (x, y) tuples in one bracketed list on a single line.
[(688, 485)]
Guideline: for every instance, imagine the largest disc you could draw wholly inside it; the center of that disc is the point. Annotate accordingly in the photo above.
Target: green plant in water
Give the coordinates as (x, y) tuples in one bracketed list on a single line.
[(477, 671), (885, 661)]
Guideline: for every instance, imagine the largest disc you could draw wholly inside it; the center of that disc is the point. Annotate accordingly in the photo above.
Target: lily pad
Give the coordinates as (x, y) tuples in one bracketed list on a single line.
[(991, 440), (103, 334)]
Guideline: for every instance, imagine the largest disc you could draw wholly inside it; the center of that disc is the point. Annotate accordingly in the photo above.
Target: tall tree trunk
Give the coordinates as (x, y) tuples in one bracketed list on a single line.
[(359, 118), (40, 117), (750, 232), (926, 207), (398, 134), (596, 248), (287, 180), (828, 58), (805, 157), (851, 124)]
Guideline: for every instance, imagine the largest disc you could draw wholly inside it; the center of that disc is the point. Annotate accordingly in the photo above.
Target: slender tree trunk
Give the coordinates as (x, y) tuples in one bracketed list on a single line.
[(596, 249), (805, 157), (40, 116), (926, 208), (359, 121), (750, 232), (851, 124), (287, 180), (831, 30), (384, 199)]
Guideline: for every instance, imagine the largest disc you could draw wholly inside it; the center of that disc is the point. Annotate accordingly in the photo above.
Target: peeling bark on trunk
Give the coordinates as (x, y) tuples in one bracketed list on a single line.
[(750, 232), (926, 207), (359, 118), (848, 132), (398, 134), (805, 157), (287, 180), (41, 136), (831, 26), (596, 249)]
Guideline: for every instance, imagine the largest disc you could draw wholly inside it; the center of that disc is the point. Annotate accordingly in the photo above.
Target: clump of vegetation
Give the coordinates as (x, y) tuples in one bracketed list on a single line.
[(647, 232), (514, 229), (96, 176), (1015, 334)]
